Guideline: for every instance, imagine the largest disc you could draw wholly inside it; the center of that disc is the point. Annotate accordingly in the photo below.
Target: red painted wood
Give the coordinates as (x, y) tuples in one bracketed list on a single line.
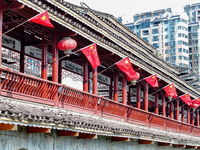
[(188, 115), (124, 91), (85, 75), (129, 96), (94, 81), (138, 95), (182, 114), (177, 109), (163, 105), (55, 59), (192, 117), (156, 103), (1, 24), (44, 58), (146, 100), (171, 110), (116, 78), (197, 117)]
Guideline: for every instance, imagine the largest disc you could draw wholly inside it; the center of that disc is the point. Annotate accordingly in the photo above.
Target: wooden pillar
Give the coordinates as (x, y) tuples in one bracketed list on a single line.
[(171, 110), (22, 54), (146, 95), (163, 105), (44, 58), (192, 117), (116, 77), (124, 91), (188, 115), (85, 75), (59, 70), (177, 109), (94, 87), (197, 117), (138, 95), (111, 88), (1, 24), (55, 59), (182, 114), (156, 103)]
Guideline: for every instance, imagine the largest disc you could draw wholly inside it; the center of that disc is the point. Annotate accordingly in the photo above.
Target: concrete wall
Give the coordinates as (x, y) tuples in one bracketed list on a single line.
[(20, 140)]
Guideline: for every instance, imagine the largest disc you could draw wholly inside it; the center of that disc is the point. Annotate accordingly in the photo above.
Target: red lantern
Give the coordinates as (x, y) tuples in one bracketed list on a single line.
[(133, 81), (66, 45)]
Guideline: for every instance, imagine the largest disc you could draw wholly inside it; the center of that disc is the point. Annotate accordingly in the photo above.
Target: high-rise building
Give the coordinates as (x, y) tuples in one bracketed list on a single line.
[(168, 33)]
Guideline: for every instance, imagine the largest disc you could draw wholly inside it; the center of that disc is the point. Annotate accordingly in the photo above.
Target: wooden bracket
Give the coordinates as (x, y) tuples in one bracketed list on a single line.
[(87, 136), (120, 139), (4, 126), (178, 146), (38, 130), (164, 144), (67, 133), (190, 147), (145, 141)]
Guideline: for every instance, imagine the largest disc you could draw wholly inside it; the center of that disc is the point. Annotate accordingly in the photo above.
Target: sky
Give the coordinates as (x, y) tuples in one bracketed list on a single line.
[(127, 8)]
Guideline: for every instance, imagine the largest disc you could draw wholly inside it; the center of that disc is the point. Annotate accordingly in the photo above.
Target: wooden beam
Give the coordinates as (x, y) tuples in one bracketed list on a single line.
[(120, 139), (13, 5), (67, 133), (38, 130), (178, 146), (4, 126), (198, 147), (164, 144), (190, 147), (87, 136), (145, 141)]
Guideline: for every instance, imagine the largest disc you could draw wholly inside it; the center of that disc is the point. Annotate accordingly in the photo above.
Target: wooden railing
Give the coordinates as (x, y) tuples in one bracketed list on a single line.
[(21, 86)]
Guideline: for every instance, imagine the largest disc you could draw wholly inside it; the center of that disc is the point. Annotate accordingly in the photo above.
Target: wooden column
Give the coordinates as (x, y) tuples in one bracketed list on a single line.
[(146, 95), (85, 75), (138, 95), (55, 59), (156, 103), (177, 109), (182, 114), (192, 117), (188, 115), (94, 87), (111, 88), (116, 77), (197, 117), (163, 105), (22, 54), (44, 58), (1, 24), (124, 91), (171, 110), (60, 70)]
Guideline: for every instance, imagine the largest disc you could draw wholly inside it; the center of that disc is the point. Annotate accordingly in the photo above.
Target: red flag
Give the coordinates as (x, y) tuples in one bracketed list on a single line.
[(42, 19), (125, 66), (170, 90), (152, 80), (196, 101), (194, 105), (91, 53), (186, 98)]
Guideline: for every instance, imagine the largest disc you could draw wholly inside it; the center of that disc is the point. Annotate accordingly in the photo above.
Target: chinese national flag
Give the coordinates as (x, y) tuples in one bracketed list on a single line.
[(125, 66), (186, 98), (170, 90), (196, 101), (91, 53), (42, 19), (152, 80)]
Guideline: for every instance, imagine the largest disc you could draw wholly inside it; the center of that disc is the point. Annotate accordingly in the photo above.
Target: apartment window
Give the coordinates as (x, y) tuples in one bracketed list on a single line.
[(179, 35), (173, 51), (180, 50), (155, 38), (180, 65), (166, 44), (180, 42), (179, 27), (156, 45), (166, 29), (180, 57), (155, 31), (165, 22), (167, 58), (166, 36), (146, 39), (166, 51), (173, 43), (185, 58), (190, 50), (145, 32), (173, 58)]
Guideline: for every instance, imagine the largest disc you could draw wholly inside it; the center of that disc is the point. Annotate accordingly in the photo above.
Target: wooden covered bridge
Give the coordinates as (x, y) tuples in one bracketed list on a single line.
[(39, 111)]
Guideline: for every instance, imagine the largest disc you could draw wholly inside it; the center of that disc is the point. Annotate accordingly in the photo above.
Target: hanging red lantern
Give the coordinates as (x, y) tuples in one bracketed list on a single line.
[(133, 81), (67, 45)]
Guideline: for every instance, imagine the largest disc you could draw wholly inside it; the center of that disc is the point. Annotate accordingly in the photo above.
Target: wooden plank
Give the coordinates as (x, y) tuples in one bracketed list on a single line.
[(190, 147), (87, 136), (164, 144), (178, 146), (120, 139), (145, 141), (4, 126), (67, 133), (38, 130), (198, 147)]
